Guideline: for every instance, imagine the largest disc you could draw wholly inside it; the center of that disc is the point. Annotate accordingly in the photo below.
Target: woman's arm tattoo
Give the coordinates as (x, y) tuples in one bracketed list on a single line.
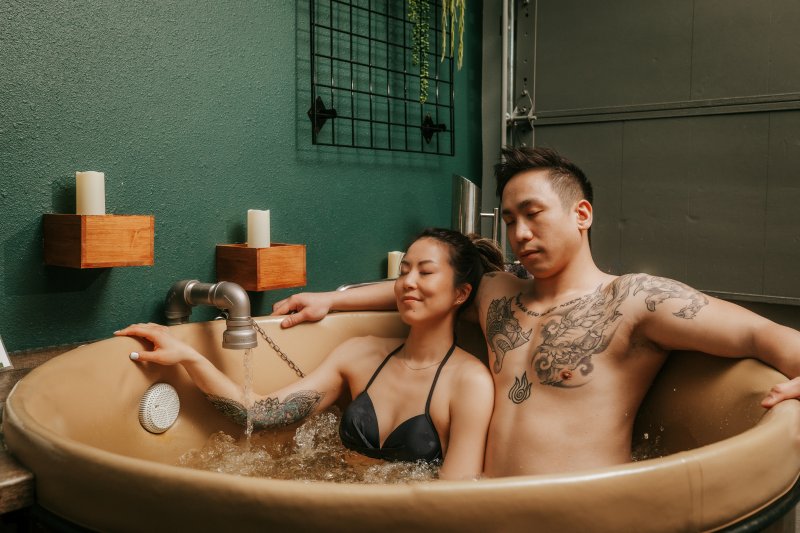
[(270, 412)]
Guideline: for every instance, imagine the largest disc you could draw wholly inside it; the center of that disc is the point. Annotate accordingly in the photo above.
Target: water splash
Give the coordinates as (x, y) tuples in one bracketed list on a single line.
[(315, 453), (247, 391), (649, 448)]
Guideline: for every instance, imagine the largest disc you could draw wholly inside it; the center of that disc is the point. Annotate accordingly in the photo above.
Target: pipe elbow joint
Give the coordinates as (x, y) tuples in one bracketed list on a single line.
[(176, 305), (240, 333)]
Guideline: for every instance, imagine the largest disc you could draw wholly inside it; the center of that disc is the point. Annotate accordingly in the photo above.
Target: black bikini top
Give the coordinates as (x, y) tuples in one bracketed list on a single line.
[(413, 440)]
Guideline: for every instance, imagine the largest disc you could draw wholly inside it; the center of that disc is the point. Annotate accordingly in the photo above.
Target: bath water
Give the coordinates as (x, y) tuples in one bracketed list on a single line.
[(315, 453)]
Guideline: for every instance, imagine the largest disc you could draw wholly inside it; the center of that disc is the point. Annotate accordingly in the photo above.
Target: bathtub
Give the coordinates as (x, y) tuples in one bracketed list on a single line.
[(74, 422)]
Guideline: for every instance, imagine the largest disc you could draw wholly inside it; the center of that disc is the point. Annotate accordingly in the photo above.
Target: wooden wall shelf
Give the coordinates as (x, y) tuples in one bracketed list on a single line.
[(280, 266), (98, 241)]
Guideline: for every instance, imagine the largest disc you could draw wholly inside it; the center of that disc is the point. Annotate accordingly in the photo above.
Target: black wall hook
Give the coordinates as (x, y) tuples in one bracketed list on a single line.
[(318, 114), (429, 128)]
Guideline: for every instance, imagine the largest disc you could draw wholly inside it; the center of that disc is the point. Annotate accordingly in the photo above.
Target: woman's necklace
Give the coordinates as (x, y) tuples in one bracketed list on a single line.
[(417, 368)]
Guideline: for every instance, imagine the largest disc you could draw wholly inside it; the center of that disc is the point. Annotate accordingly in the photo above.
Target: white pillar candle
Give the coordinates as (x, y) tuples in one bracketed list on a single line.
[(393, 270), (90, 193), (257, 228)]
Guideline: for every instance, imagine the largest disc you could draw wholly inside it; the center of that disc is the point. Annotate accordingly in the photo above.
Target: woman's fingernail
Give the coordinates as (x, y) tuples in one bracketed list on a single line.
[(134, 356)]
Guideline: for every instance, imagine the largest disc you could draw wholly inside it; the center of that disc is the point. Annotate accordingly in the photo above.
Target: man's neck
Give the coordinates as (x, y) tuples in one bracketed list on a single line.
[(579, 277)]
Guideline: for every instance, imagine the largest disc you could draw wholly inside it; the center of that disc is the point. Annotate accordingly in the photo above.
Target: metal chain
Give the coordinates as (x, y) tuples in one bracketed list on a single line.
[(277, 349)]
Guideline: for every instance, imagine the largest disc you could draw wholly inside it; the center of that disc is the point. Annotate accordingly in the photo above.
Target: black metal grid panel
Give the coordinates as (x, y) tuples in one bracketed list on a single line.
[(364, 88)]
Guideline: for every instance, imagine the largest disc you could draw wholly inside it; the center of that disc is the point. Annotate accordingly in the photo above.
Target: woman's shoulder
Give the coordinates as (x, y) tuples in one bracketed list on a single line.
[(369, 344), (470, 372)]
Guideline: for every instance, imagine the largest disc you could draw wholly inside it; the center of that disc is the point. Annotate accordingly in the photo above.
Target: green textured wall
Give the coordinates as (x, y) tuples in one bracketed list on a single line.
[(196, 112)]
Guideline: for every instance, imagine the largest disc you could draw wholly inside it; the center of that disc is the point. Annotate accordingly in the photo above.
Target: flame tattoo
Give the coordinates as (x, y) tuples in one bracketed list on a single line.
[(521, 390)]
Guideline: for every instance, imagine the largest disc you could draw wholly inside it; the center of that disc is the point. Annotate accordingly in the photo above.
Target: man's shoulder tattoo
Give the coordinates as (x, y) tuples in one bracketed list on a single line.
[(658, 290), (503, 330)]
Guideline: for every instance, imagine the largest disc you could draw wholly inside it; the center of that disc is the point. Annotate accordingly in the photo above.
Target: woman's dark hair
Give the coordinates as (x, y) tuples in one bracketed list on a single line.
[(470, 256)]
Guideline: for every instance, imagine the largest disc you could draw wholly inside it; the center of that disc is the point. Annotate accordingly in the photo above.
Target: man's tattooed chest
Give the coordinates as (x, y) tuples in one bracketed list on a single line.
[(561, 343)]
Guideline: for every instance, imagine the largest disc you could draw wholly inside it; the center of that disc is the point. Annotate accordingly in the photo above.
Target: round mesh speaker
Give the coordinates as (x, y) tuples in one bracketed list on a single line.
[(159, 408)]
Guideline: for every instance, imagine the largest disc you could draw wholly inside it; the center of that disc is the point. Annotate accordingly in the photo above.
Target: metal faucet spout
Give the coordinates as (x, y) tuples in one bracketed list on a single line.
[(185, 294)]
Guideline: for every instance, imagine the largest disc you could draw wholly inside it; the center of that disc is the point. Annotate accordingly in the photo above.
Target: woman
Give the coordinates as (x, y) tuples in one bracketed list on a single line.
[(416, 398)]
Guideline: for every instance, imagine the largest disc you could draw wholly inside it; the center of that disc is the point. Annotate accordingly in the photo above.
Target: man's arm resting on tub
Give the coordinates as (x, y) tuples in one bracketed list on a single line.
[(779, 346), (314, 393), (725, 329)]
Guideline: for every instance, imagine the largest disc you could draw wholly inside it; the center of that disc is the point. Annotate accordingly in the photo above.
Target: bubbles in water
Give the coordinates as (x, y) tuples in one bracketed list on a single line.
[(648, 448), (315, 454), (222, 454)]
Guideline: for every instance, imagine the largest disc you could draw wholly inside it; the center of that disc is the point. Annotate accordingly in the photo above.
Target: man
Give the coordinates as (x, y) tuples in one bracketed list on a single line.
[(574, 350)]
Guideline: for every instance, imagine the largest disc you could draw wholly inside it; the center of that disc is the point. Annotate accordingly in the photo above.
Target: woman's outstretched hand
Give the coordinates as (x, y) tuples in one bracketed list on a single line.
[(167, 350)]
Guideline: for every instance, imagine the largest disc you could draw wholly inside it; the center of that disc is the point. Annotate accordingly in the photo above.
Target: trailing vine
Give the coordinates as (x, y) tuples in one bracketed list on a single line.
[(419, 16), (453, 8), (419, 12)]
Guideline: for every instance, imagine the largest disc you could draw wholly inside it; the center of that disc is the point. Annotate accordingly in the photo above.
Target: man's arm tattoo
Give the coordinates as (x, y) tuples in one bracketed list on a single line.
[(503, 331), (270, 412), (661, 289)]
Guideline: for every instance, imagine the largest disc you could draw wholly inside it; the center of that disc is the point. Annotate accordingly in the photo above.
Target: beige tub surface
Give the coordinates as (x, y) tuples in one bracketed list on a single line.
[(73, 422)]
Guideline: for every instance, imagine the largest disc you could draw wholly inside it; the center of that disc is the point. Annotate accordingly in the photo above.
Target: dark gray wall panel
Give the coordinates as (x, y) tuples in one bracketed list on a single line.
[(784, 58), (615, 52), (727, 199), (597, 149), (731, 48), (689, 111), (654, 198), (782, 248)]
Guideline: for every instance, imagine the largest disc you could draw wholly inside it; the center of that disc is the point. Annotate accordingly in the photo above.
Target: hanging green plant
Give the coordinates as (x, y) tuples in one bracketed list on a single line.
[(419, 12), (419, 15), (451, 9)]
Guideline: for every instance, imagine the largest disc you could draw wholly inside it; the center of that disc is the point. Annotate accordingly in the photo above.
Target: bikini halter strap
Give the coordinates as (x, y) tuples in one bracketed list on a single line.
[(436, 377)]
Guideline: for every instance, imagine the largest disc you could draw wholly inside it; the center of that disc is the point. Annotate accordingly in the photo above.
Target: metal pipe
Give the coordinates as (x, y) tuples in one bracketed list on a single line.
[(495, 216), (230, 297), (362, 284), (504, 109)]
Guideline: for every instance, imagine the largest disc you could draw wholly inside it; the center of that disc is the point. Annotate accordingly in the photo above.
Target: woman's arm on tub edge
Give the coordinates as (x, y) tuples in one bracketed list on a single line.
[(313, 306), (315, 392)]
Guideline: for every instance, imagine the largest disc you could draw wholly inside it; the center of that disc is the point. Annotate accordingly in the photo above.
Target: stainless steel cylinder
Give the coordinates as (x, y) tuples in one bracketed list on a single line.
[(466, 206)]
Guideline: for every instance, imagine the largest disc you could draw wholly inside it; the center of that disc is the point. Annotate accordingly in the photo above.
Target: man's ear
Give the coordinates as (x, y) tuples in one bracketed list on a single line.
[(583, 210)]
